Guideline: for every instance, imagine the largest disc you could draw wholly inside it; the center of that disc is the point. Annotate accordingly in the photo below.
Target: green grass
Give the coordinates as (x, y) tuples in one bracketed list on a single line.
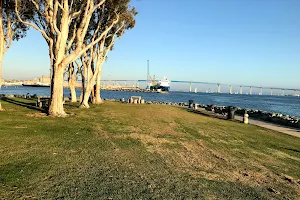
[(123, 151)]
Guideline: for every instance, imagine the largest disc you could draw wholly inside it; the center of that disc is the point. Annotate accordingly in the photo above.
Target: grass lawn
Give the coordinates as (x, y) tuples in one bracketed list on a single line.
[(123, 151)]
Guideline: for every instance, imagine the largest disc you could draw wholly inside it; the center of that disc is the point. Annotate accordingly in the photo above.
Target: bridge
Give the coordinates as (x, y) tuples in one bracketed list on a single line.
[(241, 87)]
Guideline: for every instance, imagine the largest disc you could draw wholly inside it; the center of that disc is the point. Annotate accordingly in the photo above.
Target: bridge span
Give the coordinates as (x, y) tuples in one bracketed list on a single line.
[(218, 85)]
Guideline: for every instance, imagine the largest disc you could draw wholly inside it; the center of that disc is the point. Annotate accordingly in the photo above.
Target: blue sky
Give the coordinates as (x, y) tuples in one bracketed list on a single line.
[(253, 42)]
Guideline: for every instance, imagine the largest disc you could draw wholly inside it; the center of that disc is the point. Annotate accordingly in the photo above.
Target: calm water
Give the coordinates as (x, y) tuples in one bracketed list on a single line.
[(288, 105)]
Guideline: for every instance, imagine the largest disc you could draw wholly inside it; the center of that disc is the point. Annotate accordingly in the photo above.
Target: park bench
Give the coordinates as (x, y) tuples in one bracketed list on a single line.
[(135, 99), (43, 102)]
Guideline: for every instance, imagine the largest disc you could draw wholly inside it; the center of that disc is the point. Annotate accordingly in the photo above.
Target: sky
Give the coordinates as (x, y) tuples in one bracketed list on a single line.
[(249, 42)]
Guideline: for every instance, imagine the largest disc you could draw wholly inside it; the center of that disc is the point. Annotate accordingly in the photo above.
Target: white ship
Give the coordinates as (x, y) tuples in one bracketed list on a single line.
[(162, 85), (37, 84)]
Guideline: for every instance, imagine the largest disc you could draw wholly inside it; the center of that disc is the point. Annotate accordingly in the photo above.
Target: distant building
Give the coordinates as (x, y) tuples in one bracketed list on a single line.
[(45, 79)]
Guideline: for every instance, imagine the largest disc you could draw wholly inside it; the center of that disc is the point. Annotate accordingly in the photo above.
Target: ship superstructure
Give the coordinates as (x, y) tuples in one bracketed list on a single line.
[(162, 85), (154, 85)]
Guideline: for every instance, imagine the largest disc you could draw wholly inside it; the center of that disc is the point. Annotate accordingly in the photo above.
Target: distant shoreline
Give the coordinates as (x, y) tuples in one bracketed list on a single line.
[(125, 89)]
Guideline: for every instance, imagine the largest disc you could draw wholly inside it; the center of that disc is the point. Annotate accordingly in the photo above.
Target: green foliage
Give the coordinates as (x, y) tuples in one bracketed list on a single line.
[(11, 23), (106, 15)]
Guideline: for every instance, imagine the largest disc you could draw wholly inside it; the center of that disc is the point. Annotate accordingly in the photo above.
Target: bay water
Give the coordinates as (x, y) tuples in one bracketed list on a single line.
[(287, 105)]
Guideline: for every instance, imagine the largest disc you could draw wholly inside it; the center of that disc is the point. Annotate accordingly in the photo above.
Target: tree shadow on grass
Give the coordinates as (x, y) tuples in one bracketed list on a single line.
[(72, 105), (290, 149), (206, 113), (30, 105)]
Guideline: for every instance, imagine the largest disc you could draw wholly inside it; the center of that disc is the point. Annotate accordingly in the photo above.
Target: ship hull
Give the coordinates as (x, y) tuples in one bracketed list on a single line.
[(162, 88), (35, 85)]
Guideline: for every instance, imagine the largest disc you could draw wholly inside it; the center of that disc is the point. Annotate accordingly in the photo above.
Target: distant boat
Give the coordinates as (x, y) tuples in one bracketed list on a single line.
[(37, 84)]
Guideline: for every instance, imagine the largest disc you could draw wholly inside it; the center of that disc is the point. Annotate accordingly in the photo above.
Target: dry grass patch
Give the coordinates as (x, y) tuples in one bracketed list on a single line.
[(123, 151)]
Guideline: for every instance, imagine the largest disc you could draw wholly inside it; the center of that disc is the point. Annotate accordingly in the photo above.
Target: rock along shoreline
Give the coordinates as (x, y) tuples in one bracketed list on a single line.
[(276, 118)]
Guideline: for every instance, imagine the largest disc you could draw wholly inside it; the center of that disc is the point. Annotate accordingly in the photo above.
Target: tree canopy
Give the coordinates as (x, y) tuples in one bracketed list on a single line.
[(76, 28)]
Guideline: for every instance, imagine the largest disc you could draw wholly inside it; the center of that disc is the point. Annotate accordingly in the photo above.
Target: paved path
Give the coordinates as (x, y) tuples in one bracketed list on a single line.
[(275, 127), (268, 125)]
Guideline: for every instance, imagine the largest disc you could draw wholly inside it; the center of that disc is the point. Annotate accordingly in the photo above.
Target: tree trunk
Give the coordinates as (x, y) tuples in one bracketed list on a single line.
[(86, 96), (82, 87), (98, 99), (1, 61), (72, 84), (93, 95), (56, 105), (88, 90), (93, 87), (89, 86), (81, 94), (2, 42)]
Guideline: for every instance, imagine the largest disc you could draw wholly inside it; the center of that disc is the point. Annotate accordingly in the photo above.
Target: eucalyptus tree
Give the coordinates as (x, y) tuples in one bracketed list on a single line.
[(98, 53), (54, 19), (10, 28)]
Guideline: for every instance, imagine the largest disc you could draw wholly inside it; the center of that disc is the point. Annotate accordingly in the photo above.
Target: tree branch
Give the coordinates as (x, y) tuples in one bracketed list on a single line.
[(77, 13), (97, 6), (101, 36), (80, 50), (8, 28), (37, 7), (61, 7), (30, 24), (72, 38), (54, 22)]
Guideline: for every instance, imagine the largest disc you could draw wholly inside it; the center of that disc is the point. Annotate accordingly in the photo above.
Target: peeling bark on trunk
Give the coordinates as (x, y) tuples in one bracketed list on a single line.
[(1, 61), (93, 95), (81, 96), (92, 71), (86, 96), (72, 82), (88, 86), (88, 91), (73, 91), (2, 43), (56, 105), (94, 68), (82, 87), (98, 99)]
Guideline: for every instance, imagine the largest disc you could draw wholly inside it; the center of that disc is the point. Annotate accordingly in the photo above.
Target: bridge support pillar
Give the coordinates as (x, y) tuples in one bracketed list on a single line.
[(230, 89), (219, 88), (261, 91), (241, 90), (250, 91), (282, 92), (190, 87)]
